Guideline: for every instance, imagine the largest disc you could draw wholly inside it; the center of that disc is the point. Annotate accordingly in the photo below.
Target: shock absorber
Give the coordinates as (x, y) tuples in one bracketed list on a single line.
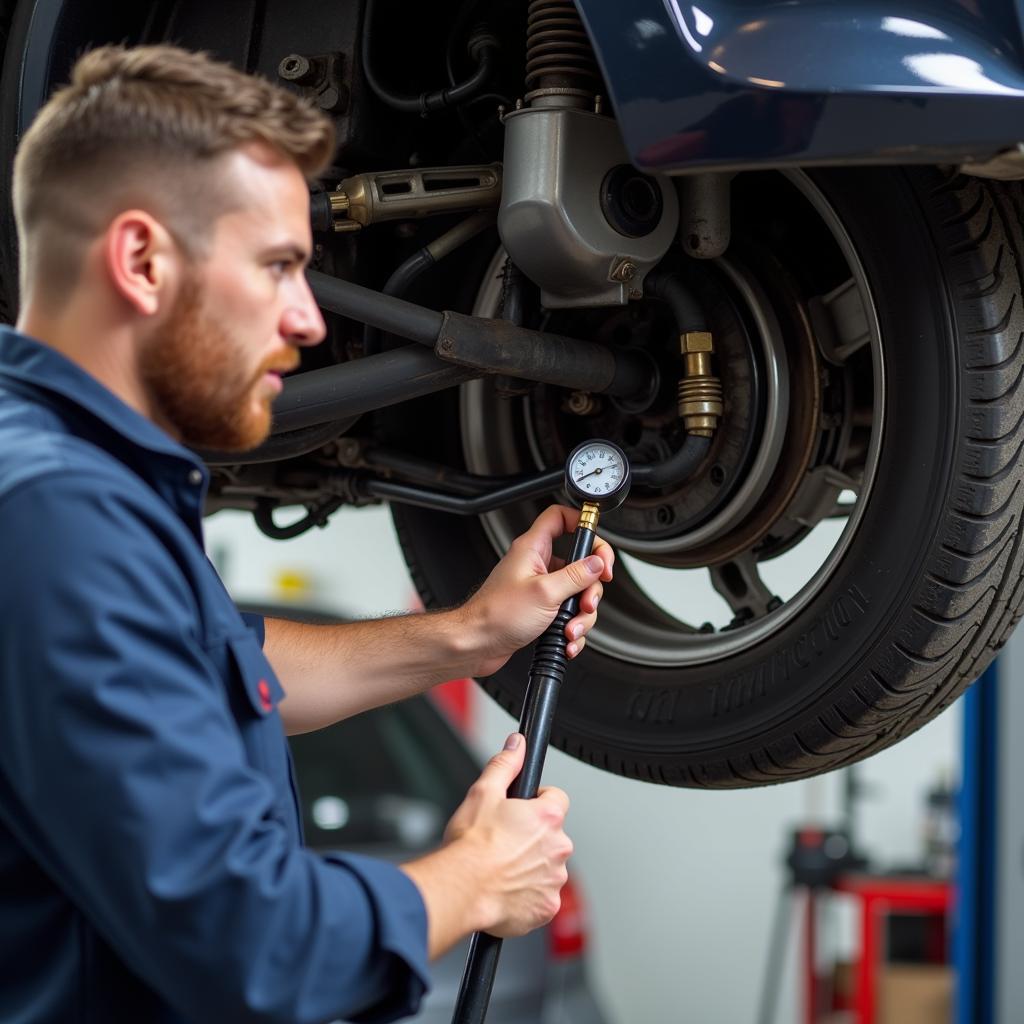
[(576, 217), (561, 69)]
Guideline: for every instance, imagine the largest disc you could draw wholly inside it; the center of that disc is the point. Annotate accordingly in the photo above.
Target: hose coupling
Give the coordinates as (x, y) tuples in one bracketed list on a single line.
[(589, 515), (700, 391)]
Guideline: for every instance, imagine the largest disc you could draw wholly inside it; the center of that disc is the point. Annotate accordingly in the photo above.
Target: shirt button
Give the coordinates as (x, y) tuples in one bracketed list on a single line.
[(195, 477)]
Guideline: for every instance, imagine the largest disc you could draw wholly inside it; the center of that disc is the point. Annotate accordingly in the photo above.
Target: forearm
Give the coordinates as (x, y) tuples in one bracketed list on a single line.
[(332, 672), (451, 890)]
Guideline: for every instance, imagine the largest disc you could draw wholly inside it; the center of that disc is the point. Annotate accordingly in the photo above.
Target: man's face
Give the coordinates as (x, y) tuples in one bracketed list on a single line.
[(213, 365)]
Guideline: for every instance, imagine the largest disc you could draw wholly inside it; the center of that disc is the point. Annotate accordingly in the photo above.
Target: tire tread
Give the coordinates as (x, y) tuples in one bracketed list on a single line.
[(971, 594)]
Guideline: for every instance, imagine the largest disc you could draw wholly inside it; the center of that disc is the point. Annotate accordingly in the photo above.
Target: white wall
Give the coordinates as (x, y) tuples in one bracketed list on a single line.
[(680, 884)]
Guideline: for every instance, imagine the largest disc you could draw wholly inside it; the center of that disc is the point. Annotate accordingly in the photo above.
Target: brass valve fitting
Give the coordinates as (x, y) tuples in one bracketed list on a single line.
[(700, 391), (589, 516)]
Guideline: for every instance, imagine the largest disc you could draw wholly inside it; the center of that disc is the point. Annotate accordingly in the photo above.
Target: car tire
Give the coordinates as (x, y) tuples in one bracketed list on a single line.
[(929, 586)]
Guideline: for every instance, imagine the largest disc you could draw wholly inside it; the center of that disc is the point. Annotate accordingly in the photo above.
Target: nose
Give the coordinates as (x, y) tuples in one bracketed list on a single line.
[(302, 324)]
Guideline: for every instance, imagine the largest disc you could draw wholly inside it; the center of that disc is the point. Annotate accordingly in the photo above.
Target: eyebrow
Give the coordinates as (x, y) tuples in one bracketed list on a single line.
[(294, 253)]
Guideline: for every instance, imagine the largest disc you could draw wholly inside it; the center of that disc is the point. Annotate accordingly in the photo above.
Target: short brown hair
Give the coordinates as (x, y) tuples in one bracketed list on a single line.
[(142, 126)]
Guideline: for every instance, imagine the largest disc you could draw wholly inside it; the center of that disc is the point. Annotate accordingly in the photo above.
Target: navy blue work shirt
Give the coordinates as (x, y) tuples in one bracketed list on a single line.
[(151, 861)]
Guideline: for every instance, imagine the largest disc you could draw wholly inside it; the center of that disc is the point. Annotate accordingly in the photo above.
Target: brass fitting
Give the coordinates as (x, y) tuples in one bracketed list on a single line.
[(700, 391), (589, 516), (378, 196), (340, 206)]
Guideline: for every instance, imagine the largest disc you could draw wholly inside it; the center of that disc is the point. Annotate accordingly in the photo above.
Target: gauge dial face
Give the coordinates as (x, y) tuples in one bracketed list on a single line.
[(597, 470)]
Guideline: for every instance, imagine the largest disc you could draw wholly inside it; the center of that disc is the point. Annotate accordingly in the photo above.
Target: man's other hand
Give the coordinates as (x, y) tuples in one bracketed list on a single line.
[(520, 598), (502, 867), (520, 841)]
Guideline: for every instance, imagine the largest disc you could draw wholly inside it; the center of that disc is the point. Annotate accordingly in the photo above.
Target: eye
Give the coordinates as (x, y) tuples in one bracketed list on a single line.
[(278, 268)]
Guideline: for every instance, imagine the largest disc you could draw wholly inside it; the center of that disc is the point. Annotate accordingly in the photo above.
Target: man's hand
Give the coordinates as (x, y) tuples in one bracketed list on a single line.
[(520, 841), (503, 864), (331, 672), (519, 599)]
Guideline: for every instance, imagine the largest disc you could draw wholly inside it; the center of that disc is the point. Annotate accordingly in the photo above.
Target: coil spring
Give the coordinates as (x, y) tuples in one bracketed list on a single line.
[(559, 57)]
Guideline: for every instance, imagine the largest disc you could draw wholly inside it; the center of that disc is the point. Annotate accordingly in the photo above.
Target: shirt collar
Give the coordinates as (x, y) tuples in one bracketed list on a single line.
[(42, 366)]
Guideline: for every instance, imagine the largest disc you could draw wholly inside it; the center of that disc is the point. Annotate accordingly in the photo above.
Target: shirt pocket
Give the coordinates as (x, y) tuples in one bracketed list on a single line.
[(261, 687), (256, 692)]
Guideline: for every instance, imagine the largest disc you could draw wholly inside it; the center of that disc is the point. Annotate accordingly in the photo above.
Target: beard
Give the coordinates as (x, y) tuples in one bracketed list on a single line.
[(200, 379)]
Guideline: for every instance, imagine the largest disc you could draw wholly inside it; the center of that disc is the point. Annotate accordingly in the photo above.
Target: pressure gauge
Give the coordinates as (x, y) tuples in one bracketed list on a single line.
[(597, 473)]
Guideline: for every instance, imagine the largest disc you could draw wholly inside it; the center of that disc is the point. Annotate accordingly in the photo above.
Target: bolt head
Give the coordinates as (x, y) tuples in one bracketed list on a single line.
[(293, 67), (625, 271), (697, 341)]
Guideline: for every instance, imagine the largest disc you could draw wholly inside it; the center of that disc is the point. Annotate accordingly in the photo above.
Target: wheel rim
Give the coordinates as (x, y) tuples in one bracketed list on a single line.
[(634, 625)]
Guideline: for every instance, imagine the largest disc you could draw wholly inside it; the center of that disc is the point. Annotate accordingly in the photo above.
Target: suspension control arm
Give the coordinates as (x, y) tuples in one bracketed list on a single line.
[(492, 346)]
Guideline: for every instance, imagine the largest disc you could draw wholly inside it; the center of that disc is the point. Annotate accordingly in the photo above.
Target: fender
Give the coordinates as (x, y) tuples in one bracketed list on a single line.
[(723, 84)]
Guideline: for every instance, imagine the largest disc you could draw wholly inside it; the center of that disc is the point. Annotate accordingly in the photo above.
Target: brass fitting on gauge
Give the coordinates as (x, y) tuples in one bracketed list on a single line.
[(377, 196), (589, 515), (700, 391)]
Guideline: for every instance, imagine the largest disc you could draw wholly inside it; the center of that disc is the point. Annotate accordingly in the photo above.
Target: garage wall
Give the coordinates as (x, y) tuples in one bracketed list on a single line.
[(680, 885)]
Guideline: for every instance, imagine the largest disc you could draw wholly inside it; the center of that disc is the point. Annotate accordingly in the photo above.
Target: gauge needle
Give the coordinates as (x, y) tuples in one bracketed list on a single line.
[(591, 473)]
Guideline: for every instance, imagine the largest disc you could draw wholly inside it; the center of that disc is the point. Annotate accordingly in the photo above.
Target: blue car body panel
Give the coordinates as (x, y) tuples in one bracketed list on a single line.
[(718, 84), (722, 84)]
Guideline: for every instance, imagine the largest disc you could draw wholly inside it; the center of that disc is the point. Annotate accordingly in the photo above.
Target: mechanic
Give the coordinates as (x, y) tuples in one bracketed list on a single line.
[(150, 851)]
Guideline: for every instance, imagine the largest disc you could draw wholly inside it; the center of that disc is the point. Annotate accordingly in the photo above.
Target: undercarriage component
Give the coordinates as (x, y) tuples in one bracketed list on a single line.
[(482, 47), (361, 385), (579, 220), (700, 391), (465, 348), (453, 491), (321, 77), (705, 221), (485, 345), (552, 219), (495, 493), (560, 65), (498, 346), (391, 314), (403, 276), (289, 444), (379, 196)]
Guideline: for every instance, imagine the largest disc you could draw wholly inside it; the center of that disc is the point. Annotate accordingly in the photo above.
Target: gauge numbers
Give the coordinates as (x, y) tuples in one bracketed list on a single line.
[(597, 470)]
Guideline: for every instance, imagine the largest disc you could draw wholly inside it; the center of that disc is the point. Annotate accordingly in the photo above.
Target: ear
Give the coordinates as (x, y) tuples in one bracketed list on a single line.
[(141, 260)]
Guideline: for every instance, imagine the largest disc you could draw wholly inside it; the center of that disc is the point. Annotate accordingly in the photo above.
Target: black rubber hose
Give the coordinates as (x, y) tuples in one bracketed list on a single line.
[(397, 284), (547, 673), (403, 276), (482, 48), (676, 468), (317, 516), (665, 284)]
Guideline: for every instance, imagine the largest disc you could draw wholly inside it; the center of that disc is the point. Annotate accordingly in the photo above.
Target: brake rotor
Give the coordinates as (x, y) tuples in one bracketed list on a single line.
[(764, 442)]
